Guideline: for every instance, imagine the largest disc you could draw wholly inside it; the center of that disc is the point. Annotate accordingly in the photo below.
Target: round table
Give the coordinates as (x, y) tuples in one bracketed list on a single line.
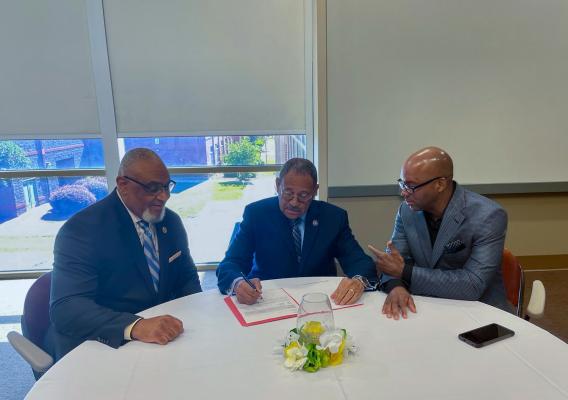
[(421, 357)]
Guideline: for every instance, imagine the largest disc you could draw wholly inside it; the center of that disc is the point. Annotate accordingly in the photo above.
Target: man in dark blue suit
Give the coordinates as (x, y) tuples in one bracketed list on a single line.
[(120, 256), (292, 235)]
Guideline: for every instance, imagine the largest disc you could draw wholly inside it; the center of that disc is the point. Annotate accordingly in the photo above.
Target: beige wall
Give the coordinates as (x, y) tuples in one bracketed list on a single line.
[(538, 223)]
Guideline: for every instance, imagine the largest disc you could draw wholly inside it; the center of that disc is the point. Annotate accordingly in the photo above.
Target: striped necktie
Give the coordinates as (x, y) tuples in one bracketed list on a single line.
[(297, 236), (150, 253)]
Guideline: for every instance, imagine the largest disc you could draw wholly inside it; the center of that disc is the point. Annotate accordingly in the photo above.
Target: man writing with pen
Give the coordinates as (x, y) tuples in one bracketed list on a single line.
[(293, 235)]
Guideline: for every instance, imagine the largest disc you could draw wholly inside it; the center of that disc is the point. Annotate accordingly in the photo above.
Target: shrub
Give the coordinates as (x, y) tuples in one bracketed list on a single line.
[(96, 185), (69, 199)]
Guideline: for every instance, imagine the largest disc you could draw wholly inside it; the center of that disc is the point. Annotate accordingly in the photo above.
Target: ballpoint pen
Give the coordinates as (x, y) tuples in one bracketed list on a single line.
[(250, 283)]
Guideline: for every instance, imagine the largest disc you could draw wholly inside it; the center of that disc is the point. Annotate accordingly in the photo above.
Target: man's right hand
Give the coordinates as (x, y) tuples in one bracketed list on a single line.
[(397, 301), (246, 294), (161, 330)]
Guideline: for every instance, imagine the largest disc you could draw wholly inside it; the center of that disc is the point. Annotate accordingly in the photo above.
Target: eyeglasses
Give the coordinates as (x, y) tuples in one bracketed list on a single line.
[(154, 187), (412, 188), (302, 197)]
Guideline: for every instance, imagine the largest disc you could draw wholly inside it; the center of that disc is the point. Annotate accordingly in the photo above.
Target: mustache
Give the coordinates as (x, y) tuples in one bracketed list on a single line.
[(295, 209)]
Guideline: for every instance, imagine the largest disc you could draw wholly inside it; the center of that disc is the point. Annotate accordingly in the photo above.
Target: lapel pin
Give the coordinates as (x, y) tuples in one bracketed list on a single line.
[(315, 222), (164, 230)]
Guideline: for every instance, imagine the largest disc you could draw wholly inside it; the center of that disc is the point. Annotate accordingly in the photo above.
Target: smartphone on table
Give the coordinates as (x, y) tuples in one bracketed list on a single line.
[(486, 335)]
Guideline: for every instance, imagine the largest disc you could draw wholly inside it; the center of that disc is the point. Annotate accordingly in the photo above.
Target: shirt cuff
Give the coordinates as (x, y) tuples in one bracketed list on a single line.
[(407, 274), (128, 330), (365, 282), (231, 290), (391, 284)]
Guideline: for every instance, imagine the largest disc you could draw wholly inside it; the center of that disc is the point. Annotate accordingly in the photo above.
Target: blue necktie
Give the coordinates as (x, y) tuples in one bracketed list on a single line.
[(150, 253), (297, 236)]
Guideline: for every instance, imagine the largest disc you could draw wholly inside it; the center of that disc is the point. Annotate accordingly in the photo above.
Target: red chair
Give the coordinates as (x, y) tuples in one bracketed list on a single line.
[(514, 280)]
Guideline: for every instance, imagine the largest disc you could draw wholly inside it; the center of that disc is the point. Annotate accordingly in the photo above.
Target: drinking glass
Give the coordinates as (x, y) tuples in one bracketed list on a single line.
[(315, 316)]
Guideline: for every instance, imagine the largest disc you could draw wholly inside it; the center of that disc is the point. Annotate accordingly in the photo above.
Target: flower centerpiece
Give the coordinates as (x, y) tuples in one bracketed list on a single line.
[(315, 342)]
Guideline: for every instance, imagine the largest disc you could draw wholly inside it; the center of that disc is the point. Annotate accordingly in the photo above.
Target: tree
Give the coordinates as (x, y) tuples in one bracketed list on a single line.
[(12, 156), (244, 152)]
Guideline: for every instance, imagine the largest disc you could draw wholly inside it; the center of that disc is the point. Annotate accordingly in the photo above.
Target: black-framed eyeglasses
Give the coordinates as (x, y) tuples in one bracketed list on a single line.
[(302, 197), (412, 188), (154, 187)]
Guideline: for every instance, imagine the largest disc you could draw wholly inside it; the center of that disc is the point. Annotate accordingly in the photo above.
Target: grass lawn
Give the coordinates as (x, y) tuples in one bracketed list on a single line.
[(232, 190), (190, 202), (18, 244)]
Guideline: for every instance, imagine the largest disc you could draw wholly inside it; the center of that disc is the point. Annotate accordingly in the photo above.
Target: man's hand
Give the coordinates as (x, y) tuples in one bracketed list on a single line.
[(389, 262), (161, 330), (246, 294), (397, 302), (348, 291)]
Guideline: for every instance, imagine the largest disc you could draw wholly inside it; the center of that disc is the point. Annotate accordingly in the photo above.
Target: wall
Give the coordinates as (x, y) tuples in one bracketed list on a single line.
[(538, 223)]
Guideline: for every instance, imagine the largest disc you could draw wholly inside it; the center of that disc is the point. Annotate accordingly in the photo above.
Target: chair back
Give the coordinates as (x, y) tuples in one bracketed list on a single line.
[(513, 279), (35, 318)]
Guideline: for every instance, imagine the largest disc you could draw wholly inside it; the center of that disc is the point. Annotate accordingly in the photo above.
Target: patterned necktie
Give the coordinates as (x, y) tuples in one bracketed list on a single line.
[(297, 236), (150, 253)]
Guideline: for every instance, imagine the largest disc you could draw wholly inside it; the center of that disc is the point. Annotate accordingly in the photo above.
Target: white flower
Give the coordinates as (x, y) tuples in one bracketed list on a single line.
[(350, 345), (331, 340), (290, 338), (296, 358)]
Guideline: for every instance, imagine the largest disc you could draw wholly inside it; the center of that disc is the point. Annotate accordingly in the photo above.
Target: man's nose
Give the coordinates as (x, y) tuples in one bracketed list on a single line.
[(164, 195)]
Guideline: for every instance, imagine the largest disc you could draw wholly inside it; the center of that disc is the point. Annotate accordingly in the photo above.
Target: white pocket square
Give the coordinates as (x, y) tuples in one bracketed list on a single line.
[(176, 255)]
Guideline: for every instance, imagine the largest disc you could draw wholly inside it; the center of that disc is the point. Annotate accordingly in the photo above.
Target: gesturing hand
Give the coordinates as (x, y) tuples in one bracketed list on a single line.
[(161, 330), (390, 262)]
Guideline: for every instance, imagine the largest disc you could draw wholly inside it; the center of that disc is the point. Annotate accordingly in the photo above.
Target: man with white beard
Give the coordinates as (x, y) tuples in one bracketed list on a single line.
[(122, 255)]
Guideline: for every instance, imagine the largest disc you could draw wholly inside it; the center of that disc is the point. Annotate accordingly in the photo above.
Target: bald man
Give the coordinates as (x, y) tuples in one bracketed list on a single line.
[(118, 257), (447, 241)]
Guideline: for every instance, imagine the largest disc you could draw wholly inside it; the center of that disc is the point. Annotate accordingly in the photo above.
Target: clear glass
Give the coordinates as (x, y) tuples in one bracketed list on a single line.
[(51, 154), (315, 317), (31, 212), (210, 204), (221, 150)]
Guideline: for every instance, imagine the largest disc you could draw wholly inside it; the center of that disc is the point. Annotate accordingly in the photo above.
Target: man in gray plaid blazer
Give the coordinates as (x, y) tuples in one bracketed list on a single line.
[(447, 241)]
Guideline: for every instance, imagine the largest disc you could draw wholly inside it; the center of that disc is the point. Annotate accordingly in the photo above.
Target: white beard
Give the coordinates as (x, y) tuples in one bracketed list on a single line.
[(153, 219)]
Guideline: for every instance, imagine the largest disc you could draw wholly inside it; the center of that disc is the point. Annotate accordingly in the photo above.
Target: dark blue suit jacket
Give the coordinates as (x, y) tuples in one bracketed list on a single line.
[(265, 234), (101, 279)]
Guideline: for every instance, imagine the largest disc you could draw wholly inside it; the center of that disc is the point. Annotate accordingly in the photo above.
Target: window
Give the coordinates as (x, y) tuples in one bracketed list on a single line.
[(35, 200), (224, 107)]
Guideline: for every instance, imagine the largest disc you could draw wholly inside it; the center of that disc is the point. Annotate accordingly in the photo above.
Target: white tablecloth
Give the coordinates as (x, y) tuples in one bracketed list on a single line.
[(417, 358)]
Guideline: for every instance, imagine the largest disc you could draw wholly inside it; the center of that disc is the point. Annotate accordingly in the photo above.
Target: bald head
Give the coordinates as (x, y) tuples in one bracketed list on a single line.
[(426, 178), (140, 172), (430, 161), (132, 160)]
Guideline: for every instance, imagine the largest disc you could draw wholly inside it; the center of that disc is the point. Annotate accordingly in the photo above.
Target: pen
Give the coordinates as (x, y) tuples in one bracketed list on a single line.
[(249, 282)]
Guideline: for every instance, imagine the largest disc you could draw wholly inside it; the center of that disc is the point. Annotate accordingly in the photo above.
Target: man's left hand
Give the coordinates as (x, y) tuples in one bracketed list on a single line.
[(348, 291), (390, 262)]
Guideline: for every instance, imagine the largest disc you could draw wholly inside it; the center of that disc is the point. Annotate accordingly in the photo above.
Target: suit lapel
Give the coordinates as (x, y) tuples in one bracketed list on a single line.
[(421, 235), (453, 217), (311, 227)]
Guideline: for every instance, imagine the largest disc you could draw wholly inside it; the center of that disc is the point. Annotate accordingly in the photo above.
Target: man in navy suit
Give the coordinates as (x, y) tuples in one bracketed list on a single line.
[(447, 241), (122, 255), (293, 235)]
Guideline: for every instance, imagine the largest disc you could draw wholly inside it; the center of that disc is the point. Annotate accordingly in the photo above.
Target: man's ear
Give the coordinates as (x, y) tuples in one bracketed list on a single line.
[(277, 183), (316, 189)]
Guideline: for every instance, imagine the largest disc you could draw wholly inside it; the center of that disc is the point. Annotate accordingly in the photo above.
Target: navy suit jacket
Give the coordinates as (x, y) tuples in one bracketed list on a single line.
[(101, 278), (465, 261), (266, 235)]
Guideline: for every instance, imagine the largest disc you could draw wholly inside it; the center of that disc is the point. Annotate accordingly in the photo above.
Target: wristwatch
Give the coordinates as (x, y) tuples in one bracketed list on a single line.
[(369, 286)]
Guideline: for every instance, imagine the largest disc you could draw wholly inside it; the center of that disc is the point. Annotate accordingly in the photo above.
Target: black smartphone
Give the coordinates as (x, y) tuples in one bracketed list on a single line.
[(485, 335)]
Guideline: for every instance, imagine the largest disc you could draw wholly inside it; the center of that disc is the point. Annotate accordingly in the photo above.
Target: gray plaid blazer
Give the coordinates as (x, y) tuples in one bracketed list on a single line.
[(465, 261)]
